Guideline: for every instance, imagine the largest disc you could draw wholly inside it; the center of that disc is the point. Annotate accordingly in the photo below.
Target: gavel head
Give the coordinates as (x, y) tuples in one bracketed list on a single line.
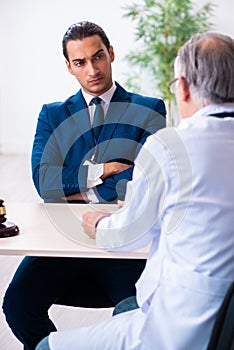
[(2, 212)]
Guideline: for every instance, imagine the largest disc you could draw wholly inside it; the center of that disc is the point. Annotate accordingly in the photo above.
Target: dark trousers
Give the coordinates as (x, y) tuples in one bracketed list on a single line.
[(40, 282)]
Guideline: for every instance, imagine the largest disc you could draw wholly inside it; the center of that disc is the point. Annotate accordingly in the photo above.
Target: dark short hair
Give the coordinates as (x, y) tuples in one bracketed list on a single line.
[(81, 30)]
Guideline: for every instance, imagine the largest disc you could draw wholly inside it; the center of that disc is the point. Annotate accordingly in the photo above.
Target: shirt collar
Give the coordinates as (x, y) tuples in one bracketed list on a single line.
[(106, 97), (215, 109), (208, 110)]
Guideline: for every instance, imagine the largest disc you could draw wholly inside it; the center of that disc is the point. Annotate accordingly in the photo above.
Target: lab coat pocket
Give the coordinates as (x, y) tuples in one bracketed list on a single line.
[(182, 309)]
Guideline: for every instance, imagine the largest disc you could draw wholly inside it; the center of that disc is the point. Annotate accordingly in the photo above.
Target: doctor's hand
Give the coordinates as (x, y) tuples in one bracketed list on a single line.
[(120, 204), (90, 221)]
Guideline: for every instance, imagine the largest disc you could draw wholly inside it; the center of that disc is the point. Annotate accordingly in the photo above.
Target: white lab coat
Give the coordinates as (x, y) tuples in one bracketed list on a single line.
[(182, 199)]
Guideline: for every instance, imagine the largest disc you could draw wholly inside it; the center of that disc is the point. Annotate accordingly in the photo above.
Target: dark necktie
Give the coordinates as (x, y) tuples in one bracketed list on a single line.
[(98, 118)]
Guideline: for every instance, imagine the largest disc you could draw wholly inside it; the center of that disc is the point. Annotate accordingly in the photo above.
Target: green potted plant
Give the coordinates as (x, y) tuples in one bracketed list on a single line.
[(162, 27)]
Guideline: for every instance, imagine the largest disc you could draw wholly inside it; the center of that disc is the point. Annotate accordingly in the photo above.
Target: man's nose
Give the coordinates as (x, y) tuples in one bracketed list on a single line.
[(92, 68)]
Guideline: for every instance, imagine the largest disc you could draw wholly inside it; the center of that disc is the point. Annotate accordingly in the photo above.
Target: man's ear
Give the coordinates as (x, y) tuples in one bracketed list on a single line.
[(111, 52), (184, 89), (69, 67)]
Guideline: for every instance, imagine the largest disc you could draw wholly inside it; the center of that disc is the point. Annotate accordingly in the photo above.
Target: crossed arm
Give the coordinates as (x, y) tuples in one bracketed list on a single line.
[(110, 169)]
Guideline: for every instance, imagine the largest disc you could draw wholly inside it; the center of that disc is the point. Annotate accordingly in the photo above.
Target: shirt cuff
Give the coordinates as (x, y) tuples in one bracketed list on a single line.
[(95, 171), (92, 196)]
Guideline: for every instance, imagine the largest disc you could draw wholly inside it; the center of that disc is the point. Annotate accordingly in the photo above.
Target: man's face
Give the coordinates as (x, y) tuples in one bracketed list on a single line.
[(90, 62)]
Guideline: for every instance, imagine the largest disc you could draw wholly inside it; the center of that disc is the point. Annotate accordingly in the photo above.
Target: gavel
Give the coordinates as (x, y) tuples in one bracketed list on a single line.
[(7, 229)]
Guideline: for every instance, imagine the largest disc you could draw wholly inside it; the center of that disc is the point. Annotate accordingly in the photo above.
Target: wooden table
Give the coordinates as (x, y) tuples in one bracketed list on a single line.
[(55, 230)]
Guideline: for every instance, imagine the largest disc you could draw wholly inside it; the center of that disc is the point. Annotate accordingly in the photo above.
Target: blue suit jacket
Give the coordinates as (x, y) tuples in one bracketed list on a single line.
[(64, 140)]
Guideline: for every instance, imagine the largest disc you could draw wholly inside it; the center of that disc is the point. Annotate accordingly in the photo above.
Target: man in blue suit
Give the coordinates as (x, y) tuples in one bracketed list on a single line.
[(84, 151)]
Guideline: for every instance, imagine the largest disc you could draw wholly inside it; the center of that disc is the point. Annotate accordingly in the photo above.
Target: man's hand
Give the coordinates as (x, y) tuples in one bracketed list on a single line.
[(120, 204), (90, 220), (82, 196), (113, 168)]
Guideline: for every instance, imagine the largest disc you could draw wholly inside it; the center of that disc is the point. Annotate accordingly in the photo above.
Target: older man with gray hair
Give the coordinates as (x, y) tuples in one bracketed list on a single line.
[(181, 199)]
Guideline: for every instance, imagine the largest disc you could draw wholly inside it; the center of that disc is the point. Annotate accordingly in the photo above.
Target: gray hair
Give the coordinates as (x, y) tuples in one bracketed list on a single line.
[(206, 61)]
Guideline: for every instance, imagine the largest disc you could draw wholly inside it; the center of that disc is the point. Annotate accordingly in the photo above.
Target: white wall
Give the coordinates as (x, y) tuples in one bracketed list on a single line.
[(32, 66)]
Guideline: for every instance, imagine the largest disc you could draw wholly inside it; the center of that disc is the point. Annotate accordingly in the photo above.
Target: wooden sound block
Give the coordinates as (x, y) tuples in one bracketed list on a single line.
[(8, 229)]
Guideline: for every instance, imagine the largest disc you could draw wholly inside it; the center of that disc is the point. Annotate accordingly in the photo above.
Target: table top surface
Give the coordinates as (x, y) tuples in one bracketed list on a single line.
[(55, 230)]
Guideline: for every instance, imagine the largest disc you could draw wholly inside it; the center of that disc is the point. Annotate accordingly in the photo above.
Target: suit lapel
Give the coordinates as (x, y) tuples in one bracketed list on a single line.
[(79, 112), (119, 104)]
